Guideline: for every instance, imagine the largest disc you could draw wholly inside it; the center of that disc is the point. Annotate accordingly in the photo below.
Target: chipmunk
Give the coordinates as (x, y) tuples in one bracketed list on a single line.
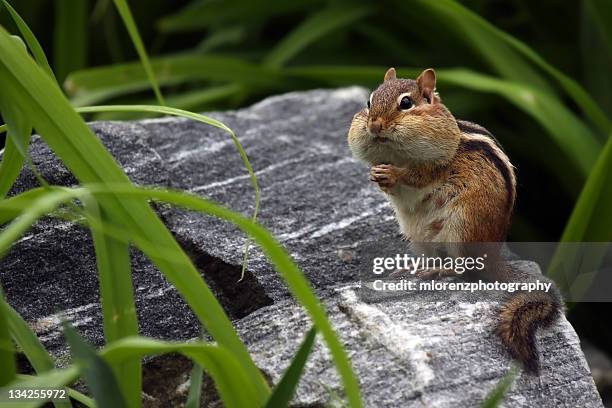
[(449, 182)]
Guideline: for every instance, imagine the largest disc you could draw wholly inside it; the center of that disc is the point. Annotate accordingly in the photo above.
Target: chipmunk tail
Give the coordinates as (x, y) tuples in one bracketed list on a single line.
[(520, 317)]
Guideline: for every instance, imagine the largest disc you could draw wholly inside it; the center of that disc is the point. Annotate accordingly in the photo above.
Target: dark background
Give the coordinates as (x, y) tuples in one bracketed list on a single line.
[(570, 36)]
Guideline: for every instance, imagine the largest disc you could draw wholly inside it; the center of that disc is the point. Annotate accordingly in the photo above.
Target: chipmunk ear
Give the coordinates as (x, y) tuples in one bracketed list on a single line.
[(427, 84), (390, 74)]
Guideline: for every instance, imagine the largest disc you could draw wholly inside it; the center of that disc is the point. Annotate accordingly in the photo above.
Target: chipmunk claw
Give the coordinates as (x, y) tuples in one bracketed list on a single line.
[(385, 175)]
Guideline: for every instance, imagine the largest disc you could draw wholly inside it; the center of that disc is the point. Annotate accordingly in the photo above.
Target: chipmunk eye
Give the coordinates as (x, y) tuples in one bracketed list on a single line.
[(368, 104), (405, 103)]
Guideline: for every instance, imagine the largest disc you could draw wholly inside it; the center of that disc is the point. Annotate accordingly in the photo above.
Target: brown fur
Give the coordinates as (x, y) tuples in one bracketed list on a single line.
[(467, 182), (519, 319)]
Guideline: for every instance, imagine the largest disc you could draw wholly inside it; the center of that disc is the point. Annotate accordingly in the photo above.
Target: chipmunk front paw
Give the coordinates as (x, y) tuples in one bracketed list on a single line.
[(385, 175)]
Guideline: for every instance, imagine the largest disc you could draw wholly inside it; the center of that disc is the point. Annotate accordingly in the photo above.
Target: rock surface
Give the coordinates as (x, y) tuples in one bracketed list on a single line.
[(317, 201)]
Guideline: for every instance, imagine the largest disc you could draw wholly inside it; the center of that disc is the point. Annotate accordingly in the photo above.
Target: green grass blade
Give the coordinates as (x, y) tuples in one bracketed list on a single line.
[(28, 342), (198, 15), (46, 203), (203, 119), (30, 39), (7, 350), (590, 220), (66, 133), (70, 36), (195, 101), (130, 25), (482, 37), (234, 386), (509, 56), (313, 28), (96, 372), (11, 208), (82, 398), (497, 395), (50, 379), (195, 387), (278, 256), (34, 351), (284, 390), (93, 85), (117, 298), (596, 34), (15, 149)]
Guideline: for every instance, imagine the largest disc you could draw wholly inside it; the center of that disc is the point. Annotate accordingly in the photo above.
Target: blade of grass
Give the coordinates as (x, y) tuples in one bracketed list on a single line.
[(82, 153), (313, 28), (96, 372), (117, 298), (30, 39), (284, 390), (195, 387), (203, 119), (235, 387), (70, 36), (130, 25), (34, 351), (507, 55), (92, 85), (17, 141), (297, 283), (194, 101), (590, 220), (7, 350), (277, 255), (596, 34), (497, 395), (205, 14), (51, 379)]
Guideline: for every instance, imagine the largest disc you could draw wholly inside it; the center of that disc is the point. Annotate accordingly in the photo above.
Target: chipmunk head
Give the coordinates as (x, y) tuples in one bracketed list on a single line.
[(404, 121)]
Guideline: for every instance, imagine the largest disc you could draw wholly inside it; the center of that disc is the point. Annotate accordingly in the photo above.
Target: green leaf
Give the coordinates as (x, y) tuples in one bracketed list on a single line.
[(70, 36), (497, 395), (278, 256), (117, 298), (283, 263), (235, 387), (596, 34), (194, 100), (130, 25), (26, 86), (50, 379), (30, 39), (509, 56), (590, 220), (199, 15), (284, 390), (203, 119), (195, 387), (97, 84), (16, 148), (313, 28), (96, 372), (7, 350), (34, 351)]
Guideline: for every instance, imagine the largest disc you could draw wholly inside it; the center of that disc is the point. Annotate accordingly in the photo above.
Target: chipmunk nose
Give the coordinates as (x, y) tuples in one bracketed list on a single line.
[(375, 125)]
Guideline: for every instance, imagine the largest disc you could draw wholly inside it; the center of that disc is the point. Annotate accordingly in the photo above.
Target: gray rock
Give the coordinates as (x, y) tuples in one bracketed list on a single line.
[(419, 354), (317, 201)]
